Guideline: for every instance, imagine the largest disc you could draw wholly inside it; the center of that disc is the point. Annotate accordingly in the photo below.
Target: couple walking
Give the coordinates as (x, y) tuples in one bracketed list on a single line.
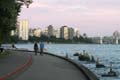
[(41, 48)]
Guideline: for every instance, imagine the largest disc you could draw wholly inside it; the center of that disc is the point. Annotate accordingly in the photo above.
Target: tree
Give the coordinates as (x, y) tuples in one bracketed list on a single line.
[(9, 10), (84, 35)]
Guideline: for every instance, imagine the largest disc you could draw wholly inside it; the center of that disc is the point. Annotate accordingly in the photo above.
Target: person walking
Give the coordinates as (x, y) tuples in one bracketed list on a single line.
[(36, 48), (13, 46), (41, 48)]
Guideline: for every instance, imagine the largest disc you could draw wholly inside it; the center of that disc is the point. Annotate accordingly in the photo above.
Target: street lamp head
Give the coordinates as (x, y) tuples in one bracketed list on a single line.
[(26, 2)]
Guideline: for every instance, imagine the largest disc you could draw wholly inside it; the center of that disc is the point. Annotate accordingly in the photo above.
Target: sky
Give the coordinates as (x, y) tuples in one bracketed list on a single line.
[(94, 17)]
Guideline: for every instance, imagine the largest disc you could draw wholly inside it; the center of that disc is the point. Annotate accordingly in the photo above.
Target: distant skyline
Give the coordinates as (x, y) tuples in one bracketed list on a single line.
[(94, 17)]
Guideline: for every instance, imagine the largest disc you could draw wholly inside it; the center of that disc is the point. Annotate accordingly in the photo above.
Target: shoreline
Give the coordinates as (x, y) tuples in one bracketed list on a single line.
[(87, 72), (59, 44)]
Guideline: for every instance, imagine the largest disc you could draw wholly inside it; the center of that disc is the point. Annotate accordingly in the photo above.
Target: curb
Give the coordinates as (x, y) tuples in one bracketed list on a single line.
[(88, 74), (17, 70)]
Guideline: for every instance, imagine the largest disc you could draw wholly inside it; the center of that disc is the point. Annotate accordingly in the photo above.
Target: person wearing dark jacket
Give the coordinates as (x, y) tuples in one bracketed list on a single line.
[(36, 48)]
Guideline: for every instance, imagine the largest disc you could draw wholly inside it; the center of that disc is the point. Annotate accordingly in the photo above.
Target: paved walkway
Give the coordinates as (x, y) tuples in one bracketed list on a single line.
[(47, 67), (11, 62)]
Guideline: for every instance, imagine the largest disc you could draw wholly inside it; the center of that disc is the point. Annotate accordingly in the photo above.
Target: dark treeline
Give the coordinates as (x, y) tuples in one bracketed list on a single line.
[(52, 39), (9, 10)]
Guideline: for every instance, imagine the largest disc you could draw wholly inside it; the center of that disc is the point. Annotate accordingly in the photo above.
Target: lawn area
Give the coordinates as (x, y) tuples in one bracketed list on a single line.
[(4, 54)]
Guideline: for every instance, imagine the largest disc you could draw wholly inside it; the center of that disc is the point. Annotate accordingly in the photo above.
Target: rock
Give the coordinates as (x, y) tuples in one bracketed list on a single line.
[(76, 54), (84, 57), (100, 66), (92, 59), (111, 73)]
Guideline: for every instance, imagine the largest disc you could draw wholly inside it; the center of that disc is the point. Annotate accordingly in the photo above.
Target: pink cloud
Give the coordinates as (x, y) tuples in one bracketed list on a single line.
[(39, 5), (88, 15)]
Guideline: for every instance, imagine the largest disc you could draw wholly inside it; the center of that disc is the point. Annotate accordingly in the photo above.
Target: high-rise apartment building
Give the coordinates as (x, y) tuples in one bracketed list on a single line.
[(15, 32), (116, 37), (46, 32), (64, 32), (23, 29), (31, 32), (57, 33), (37, 32), (71, 33), (77, 33), (50, 30)]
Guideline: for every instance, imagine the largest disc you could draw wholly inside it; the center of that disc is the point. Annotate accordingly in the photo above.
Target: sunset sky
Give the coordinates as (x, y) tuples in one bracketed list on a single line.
[(94, 17)]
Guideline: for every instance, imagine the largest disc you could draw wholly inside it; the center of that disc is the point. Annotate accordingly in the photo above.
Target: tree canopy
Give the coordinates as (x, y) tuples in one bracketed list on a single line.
[(9, 10)]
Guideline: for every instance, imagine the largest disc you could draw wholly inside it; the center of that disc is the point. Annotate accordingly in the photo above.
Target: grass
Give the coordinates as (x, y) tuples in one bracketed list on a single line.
[(4, 54)]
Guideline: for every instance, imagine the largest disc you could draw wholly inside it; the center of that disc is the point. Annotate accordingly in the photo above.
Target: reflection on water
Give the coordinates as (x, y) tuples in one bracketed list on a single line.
[(106, 53)]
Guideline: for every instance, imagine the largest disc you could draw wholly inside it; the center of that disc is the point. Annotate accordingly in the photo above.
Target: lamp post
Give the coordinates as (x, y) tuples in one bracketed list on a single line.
[(24, 2)]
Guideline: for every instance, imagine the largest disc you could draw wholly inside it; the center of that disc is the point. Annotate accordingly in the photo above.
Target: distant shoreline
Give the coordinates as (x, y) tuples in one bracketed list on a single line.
[(62, 43)]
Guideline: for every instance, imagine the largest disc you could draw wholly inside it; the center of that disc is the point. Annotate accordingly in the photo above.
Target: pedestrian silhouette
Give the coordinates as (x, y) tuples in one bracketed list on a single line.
[(41, 48), (13, 46), (36, 48)]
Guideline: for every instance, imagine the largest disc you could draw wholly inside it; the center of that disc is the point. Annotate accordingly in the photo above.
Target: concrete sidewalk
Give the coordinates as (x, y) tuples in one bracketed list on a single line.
[(47, 67), (10, 64)]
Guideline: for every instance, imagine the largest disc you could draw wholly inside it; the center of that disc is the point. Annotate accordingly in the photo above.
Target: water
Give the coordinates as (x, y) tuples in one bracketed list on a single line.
[(106, 53)]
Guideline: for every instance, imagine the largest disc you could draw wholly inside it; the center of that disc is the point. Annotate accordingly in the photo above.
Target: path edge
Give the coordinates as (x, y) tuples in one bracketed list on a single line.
[(88, 73), (18, 69)]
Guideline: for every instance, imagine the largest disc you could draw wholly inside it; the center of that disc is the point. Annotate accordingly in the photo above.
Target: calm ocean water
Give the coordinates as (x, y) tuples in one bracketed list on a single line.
[(106, 53)]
